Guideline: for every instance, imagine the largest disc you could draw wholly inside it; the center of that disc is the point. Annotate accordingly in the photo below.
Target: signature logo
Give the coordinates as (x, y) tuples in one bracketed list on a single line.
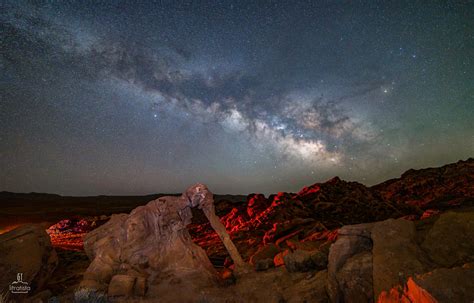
[(19, 286)]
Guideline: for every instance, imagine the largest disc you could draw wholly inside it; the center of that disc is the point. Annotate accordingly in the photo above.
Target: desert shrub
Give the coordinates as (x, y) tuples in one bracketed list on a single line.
[(85, 295)]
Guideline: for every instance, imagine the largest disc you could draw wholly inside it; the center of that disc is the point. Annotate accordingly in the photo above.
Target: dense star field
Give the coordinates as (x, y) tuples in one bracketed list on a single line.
[(124, 98)]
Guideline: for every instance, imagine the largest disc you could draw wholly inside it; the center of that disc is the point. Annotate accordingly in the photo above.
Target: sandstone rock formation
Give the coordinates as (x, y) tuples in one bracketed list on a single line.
[(396, 255), (26, 250), (400, 261), (449, 284), (352, 241), (150, 250), (452, 229)]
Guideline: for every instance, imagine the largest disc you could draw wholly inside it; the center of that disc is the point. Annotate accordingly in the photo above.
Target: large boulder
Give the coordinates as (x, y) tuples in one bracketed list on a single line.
[(153, 241), (442, 285), (150, 251), (26, 250), (355, 278), (385, 262), (396, 255), (408, 293), (352, 240), (449, 284), (450, 241)]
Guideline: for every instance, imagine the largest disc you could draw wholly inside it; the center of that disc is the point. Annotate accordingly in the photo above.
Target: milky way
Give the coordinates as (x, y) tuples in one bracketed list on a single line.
[(126, 98)]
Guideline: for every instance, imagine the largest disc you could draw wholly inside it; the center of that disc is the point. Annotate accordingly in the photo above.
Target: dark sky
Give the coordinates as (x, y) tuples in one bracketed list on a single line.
[(245, 96)]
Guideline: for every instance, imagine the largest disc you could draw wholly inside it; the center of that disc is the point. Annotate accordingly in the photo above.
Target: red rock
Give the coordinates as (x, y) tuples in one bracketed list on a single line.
[(227, 274), (26, 250), (256, 204), (429, 213), (309, 190), (278, 259), (412, 292), (436, 188)]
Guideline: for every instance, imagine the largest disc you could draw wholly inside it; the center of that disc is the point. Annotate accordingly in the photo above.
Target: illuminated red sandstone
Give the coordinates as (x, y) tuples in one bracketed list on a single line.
[(278, 259), (308, 190), (68, 234), (412, 292), (429, 213)]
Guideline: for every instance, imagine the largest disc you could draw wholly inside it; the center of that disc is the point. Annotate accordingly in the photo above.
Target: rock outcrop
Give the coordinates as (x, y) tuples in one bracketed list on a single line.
[(451, 230), (396, 255), (396, 261), (150, 250), (309, 215), (26, 259), (354, 241), (449, 284), (439, 188), (303, 260)]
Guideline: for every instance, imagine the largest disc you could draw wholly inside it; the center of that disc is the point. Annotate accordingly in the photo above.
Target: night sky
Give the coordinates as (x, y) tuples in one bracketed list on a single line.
[(125, 98)]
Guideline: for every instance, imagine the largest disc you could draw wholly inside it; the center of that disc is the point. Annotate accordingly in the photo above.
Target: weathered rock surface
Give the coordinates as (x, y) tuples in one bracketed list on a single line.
[(409, 293), (450, 241), (310, 289), (304, 260), (264, 264), (355, 278), (396, 255), (392, 261), (442, 285), (274, 286), (151, 249), (439, 188), (27, 250), (265, 252), (121, 285), (352, 240), (97, 237), (449, 284)]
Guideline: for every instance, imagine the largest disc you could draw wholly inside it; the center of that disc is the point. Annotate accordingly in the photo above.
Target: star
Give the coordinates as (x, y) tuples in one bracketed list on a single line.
[(229, 90)]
